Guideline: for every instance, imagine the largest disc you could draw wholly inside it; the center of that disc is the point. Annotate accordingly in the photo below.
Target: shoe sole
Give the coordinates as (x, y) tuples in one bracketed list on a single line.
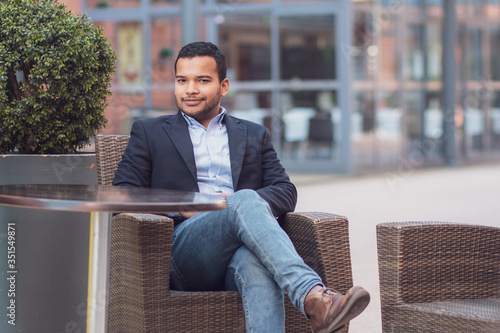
[(355, 305)]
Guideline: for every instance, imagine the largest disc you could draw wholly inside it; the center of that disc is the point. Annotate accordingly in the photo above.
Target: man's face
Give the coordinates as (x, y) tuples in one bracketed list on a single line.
[(197, 88)]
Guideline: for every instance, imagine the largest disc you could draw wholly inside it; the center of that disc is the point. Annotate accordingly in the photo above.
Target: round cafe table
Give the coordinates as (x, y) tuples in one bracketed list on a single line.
[(102, 202)]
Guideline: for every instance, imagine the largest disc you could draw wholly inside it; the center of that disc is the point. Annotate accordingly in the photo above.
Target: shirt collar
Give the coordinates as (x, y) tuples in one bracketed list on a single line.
[(219, 118)]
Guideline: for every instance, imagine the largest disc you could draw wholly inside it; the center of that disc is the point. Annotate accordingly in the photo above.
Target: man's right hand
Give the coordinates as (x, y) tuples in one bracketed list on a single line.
[(188, 214)]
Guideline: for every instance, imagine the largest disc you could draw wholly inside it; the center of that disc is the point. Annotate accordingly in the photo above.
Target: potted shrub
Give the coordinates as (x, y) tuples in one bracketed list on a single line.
[(55, 73)]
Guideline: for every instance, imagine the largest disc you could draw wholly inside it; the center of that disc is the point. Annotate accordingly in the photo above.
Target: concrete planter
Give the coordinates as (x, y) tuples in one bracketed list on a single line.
[(51, 249)]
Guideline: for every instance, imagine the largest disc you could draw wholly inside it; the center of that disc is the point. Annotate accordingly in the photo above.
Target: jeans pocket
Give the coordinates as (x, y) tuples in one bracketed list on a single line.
[(177, 281)]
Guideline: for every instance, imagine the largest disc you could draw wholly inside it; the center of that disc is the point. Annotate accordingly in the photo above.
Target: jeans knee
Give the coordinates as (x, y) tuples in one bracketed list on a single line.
[(246, 194), (248, 207), (245, 197)]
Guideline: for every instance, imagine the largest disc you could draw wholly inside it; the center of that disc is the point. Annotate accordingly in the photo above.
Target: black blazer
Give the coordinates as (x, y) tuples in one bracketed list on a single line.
[(160, 154)]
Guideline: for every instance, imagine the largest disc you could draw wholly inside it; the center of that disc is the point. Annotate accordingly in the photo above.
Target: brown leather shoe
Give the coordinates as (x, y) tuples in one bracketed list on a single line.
[(329, 310)]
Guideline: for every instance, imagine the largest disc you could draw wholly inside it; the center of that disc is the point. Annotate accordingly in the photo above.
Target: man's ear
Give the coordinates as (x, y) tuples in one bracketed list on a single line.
[(224, 87)]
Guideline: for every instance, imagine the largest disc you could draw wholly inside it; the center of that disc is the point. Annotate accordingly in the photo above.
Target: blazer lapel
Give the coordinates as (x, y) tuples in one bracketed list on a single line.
[(237, 136), (177, 129)]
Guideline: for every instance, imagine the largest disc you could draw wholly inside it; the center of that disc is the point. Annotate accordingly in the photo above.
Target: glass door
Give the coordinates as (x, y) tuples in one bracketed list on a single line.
[(313, 96), (285, 70), (308, 107)]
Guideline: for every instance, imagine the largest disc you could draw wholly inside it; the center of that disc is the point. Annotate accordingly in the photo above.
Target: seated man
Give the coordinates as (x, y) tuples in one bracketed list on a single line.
[(242, 248)]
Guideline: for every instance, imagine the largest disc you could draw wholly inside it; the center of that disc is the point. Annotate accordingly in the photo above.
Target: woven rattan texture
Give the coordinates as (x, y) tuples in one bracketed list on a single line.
[(487, 308), (140, 299), (139, 277), (322, 240), (109, 150), (409, 318), (204, 312), (429, 262)]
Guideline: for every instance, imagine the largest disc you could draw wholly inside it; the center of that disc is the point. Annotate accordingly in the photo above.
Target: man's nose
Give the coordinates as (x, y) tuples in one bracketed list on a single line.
[(192, 88)]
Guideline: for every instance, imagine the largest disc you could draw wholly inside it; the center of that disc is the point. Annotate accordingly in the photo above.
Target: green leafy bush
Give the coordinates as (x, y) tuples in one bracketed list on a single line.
[(55, 73)]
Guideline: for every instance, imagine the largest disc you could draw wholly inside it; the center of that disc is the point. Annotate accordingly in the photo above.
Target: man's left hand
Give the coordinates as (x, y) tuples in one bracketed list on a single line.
[(192, 213)]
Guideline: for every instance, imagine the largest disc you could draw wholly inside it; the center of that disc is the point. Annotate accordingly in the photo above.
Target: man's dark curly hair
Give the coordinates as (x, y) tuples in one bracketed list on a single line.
[(199, 49)]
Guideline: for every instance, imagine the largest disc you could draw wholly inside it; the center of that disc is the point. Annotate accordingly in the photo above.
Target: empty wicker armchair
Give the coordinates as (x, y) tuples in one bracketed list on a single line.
[(140, 296), (439, 277)]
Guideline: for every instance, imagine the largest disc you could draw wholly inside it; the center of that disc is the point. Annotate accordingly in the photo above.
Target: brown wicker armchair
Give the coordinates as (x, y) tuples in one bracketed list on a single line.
[(140, 297), (439, 277)]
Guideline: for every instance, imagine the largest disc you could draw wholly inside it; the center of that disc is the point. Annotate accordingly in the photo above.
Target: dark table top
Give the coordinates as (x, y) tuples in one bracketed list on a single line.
[(118, 199)]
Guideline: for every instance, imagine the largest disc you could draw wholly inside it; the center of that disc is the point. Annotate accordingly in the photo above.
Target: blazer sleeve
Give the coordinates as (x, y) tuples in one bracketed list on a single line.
[(135, 167), (277, 189)]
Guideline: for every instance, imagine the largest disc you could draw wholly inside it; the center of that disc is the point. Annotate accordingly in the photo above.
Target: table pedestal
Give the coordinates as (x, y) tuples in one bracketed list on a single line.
[(99, 256)]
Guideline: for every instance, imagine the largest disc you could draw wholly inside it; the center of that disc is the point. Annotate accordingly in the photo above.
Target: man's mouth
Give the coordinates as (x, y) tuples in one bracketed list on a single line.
[(192, 101)]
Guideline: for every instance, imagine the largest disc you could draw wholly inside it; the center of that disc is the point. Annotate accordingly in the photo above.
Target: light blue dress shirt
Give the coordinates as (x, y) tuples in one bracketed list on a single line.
[(211, 153)]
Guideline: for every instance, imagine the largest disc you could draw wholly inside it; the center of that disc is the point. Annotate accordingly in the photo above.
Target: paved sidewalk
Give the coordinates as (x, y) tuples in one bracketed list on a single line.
[(464, 194)]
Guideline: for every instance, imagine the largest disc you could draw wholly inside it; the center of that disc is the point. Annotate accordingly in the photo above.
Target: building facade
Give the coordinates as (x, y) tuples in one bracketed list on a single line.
[(344, 86)]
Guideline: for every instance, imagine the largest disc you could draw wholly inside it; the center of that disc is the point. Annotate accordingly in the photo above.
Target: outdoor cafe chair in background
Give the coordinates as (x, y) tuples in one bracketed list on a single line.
[(140, 298), (439, 277)]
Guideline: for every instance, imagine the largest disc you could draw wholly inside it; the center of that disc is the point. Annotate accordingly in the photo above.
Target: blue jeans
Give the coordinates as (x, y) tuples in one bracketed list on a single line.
[(242, 248)]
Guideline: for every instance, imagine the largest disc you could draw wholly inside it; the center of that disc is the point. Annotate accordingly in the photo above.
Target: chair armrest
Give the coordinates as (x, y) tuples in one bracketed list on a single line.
[(322, 240), (436, 261), (141, 247)]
